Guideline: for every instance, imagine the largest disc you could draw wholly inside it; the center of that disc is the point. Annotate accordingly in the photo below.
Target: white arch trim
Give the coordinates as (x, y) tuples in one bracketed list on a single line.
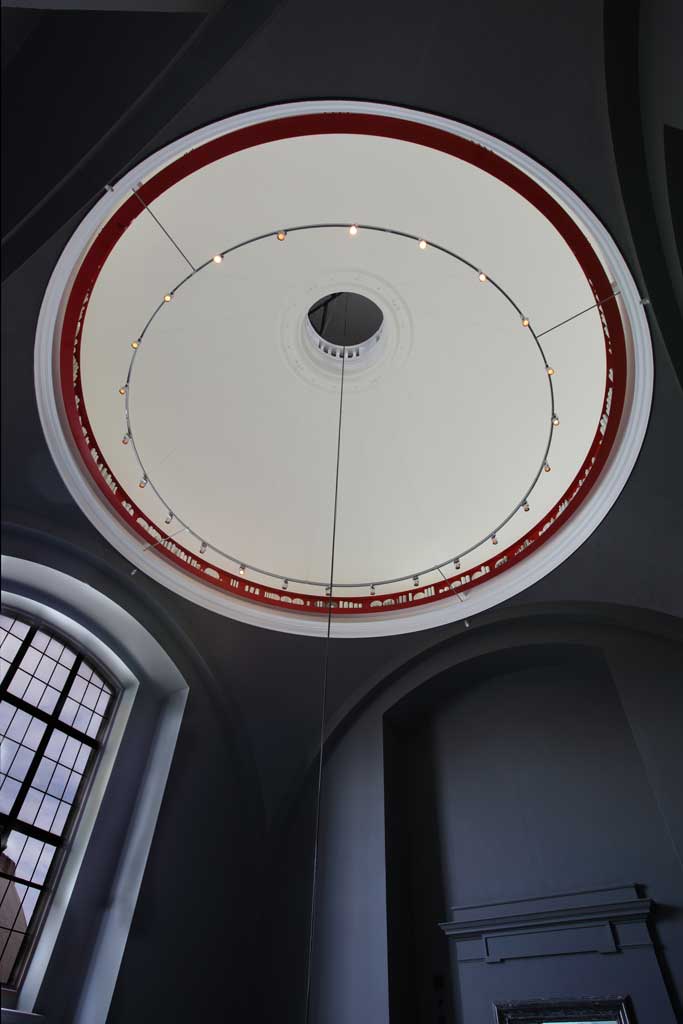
[(108, 633)]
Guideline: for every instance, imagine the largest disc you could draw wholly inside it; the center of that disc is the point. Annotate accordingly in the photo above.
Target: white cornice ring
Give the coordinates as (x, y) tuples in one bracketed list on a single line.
[(492, 592)]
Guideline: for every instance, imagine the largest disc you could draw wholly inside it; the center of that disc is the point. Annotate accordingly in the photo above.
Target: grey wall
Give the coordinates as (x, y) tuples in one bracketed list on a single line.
[(516, 764)]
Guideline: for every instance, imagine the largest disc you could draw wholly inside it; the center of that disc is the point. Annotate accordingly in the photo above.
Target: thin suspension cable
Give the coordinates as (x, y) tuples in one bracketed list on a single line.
[(569, 319), (170, 237), (162, 540), (323, 703)]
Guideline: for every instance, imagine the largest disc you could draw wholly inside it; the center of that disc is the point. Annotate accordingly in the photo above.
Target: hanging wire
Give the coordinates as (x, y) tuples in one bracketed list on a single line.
[(168, 235), (323, 703), (600, 302)]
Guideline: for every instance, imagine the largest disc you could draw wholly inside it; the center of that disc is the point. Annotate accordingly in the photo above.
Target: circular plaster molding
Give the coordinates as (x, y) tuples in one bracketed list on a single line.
[(594, 502)]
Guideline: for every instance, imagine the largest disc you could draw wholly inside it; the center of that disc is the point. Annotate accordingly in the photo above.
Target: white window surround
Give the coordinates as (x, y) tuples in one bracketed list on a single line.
[(102, 629)]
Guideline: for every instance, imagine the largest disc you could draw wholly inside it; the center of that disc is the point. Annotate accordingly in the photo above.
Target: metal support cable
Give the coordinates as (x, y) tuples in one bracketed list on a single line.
[(600, 302), (323, 703), (168, 235)]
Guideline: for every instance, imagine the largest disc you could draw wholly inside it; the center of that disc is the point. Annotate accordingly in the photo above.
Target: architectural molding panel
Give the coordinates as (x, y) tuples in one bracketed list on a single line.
[(593, 921)]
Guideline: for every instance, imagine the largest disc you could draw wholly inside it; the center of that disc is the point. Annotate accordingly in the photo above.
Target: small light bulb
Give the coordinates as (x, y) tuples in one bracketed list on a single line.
[(125, 439), (123, 389), (556, 420), (456, 563), (353, 230), (143, 482), (546, 468), (135, 344), (241, 570), (549, 371), (525, 506), (285, 584), (328, 591), (203, 547), (494, 539), (525, 322), (416, 581), (281, 235), (483, 277), (167, 297), (218, 258), (169, 518), (372, 590), (422, 244)]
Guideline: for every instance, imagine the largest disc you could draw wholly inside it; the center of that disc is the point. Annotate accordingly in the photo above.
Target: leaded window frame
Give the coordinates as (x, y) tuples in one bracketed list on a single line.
[(83, 675)]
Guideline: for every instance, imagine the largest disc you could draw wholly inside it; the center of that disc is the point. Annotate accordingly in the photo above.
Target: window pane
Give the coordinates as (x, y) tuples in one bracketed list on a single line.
[(30, 902), (45, 668), (40, 641), (8, 792), (18, 725), (54, 649), (30, 660), (44, 772), (82, 719), (34, 733), (60, 818), (20, 763), (46, 813), (6, 713), (59, 677), (103, 702), (70, 752), (68, 712), (58, 781), (12, 945), (82, 759), (94, 726), (84, 671), (10, 647), (55, 744), (78, 688), (8, 749), (20, 683), (49, 699), (67, 658), (41, 869), (11, 914), (31, 806), (71, 788), (33, 692)]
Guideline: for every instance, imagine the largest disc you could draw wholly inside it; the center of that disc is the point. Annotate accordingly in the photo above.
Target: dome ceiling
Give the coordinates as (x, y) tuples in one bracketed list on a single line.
[(479, 422)]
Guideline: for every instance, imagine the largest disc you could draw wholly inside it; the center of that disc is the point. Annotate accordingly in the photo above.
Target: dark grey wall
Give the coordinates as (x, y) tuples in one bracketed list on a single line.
[(520, 786), (515, 764)]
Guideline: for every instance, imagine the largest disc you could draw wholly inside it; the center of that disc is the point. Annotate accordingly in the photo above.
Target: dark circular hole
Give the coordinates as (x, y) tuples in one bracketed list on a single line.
[(345, 318)]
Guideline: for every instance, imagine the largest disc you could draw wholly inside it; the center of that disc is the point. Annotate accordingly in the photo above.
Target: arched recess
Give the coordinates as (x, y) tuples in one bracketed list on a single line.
[(97, 891), (640, 654)]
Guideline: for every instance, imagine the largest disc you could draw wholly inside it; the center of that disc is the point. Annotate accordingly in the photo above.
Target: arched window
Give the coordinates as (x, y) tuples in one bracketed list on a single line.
[(55, 709)]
